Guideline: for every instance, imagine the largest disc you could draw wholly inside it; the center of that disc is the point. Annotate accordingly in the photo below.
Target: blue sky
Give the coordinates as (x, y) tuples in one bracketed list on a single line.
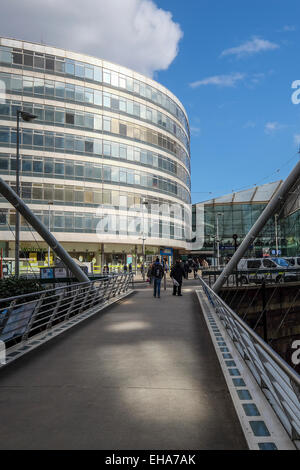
[(242, 133), (230, 62)]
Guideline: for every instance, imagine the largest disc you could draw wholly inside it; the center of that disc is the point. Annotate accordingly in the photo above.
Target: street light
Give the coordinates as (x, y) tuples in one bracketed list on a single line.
[(50, 203), (276, 234), (27, 117), (144, 203), (217, 240)]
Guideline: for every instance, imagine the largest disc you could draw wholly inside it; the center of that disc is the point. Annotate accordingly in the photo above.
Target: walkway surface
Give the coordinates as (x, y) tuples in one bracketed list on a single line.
[(141, 375)]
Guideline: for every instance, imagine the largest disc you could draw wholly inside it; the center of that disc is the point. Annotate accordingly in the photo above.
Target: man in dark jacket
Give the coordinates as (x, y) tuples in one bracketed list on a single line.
[(177, 273), (157, 274)]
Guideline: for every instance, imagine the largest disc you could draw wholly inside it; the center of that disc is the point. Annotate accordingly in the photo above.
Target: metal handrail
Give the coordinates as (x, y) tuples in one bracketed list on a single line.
[(24, 316), (277, 380)]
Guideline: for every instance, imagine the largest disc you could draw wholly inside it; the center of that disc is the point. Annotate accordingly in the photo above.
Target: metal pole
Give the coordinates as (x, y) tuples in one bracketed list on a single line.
[(143, 240), (49, 226), (17, 218), (276, 234), (24, 210), (218, 244), (269, 210)]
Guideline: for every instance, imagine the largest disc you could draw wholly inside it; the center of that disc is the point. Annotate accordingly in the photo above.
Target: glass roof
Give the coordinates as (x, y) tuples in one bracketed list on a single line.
[(261, 193)]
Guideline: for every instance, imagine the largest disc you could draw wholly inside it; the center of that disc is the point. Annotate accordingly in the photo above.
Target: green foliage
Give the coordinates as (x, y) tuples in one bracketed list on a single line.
[(11, 286)]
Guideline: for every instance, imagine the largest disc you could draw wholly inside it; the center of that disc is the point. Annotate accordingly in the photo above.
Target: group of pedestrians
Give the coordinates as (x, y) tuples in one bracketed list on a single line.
[(158, 271)]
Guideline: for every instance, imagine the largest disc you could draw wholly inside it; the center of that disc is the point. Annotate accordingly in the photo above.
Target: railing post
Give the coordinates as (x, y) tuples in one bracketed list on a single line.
[(6, 316), (55, 310), (33, 316)]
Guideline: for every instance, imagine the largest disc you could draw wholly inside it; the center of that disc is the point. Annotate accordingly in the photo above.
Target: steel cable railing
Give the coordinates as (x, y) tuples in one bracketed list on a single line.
[(277, 380), (23, 317)]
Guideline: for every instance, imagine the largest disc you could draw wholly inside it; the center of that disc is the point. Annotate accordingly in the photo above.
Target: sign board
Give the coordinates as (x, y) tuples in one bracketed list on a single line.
[(18, 321)]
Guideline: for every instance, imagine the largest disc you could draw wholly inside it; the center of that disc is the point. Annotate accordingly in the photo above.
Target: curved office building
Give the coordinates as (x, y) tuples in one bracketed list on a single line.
[(106, 162)]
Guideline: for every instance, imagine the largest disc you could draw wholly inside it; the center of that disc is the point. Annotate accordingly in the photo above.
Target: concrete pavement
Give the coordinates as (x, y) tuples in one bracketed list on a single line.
[(141, 375)]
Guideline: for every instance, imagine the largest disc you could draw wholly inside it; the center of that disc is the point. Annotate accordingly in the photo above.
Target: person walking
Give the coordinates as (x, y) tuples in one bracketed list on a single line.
[(186, 269), (166, 270), (157, 273), (195, 268), (177, 273), (149, 273)]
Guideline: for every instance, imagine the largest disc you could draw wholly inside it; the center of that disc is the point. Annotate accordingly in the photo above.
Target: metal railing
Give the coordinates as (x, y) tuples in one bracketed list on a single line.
[(25, 316), (277, 380), (244, 278)]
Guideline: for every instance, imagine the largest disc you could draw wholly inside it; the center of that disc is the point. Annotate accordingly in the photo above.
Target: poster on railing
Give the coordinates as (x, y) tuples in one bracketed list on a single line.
[(17, 322)]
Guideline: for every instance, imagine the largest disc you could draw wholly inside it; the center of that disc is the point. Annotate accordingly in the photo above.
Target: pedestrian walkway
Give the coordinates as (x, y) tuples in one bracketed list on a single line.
[(141, 375)]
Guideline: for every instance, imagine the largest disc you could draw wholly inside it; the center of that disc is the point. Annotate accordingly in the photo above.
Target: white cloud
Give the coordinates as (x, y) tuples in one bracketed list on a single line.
[(272, 127), (287, 29), (195, 131), (250, 47), (297, 139), (220, 80), (250, 125), (134, 33)]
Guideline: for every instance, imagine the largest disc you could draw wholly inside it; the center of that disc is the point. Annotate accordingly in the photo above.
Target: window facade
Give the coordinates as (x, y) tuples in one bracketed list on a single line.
[(101, 139)]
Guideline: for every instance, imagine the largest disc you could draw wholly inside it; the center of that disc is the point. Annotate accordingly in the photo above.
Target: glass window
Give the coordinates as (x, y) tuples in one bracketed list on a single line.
[(70, 67), (17, 58), (106, 76), (123, 151), (4, 109), (106, 100), (89, 146), (26, 165), (69, 143), (79, 119), (37, 166), (69, 168), (59, 66), (97, 98), (28, 60), (60, 115), (16, 84), (79, 170), (39, 62), (89, 72), (5, 56), (106, 149), (79, 93), (49, 166), (4, 163), (49, 114), (27, 85), (38, 139), (59, 168), (122, 129), (70, 118), (70, 91), (79, 70), (89, 121), (89, 96), (49, 140), (49, 87), (49, 63), (107, 124), (60, 89), (98, 74)]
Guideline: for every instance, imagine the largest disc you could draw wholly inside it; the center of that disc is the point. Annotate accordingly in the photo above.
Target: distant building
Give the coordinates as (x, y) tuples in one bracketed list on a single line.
[(237, 212)]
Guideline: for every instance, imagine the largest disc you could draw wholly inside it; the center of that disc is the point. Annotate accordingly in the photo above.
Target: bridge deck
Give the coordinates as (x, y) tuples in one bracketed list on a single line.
[(141, 375)]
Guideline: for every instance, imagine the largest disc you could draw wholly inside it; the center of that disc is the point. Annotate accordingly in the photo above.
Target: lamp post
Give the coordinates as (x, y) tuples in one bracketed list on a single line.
[(276, 234), (144, 203), (50, 203), (217, 240), (27, 117)]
